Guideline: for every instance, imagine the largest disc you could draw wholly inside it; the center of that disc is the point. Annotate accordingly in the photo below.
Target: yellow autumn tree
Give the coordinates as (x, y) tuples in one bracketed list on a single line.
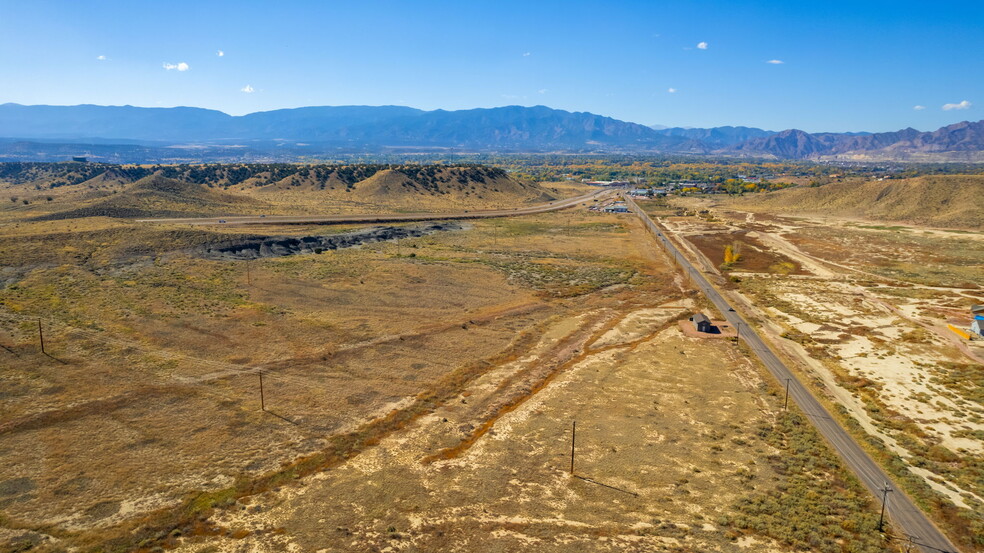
[(732, 254)]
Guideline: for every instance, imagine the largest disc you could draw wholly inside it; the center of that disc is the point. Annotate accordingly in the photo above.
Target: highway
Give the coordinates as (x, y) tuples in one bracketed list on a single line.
[(906, 516), (382, 218)]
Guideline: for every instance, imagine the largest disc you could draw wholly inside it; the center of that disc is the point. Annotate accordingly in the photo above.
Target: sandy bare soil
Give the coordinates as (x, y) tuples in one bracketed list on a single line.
[(867, 311)]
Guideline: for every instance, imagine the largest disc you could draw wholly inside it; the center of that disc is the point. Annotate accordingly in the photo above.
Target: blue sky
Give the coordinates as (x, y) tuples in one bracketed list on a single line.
[(845, 66)]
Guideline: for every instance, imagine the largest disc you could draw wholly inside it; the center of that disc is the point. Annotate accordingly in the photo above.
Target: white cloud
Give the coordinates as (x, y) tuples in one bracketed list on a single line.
[(918, 108), (220, 53), (541, 91), (702, 46), (776, 62), (962, 105), (526, 54), (671, 90), (247, 89), (180, 66), (101, 58)]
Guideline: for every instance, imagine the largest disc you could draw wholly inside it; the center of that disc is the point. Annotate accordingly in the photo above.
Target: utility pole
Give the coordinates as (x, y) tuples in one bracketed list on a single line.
[(262, 402), (573, 435), (881, 518), (41, 335), (785, 404)]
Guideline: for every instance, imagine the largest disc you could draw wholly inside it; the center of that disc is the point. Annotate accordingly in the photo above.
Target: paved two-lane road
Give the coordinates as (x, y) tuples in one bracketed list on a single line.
[(383, 218), (900, 509)]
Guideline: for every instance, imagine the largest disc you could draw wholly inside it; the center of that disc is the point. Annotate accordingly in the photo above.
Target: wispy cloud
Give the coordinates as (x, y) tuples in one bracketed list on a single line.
[(101, 58), (526, 54), (220, 53), (671, 90), (247, 89), (776, 62), (962, 105), (180, 66), (541, 91), (702, 46), (918, 108)]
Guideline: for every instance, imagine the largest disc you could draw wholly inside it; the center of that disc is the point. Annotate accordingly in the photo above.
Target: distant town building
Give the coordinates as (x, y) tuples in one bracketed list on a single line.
[(701, 322), (611, 183)]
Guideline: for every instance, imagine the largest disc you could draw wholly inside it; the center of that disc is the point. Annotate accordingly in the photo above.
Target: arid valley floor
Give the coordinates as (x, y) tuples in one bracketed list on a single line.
[(420, 392)]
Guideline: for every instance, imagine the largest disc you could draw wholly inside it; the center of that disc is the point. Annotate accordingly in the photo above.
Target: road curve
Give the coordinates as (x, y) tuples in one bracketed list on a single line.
[(900, 509), (381, 218)]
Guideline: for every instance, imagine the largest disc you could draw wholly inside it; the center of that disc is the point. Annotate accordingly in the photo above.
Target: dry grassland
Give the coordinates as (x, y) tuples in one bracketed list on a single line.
[(418, 396)]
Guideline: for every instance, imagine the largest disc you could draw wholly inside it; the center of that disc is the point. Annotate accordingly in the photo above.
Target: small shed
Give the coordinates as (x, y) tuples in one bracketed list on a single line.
[(977, 327), (701, 322)]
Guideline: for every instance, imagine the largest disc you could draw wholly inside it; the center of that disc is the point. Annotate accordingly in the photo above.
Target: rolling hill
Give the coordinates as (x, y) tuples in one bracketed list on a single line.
[(939, 200), (49, 191), (157, 196)]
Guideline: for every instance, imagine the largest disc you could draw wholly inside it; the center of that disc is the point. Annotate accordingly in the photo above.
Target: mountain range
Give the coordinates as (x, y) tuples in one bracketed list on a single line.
[(135, 134)]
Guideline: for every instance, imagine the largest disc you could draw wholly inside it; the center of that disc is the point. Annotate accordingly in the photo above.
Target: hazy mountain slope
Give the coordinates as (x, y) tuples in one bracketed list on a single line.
[(788, 144), (942, 200), (716, 137), (510, 127), (126, 134), (117, 122), (962, 141)]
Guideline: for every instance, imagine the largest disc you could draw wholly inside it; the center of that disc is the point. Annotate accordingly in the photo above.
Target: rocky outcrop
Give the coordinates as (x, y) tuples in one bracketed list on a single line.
[(281, 246)]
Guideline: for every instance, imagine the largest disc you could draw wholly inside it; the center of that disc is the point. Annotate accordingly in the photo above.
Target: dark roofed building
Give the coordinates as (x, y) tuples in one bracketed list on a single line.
[(701, 322)]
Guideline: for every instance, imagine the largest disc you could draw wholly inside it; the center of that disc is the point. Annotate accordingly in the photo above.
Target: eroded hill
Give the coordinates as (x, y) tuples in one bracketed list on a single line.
[(940, 200), (49, 191)]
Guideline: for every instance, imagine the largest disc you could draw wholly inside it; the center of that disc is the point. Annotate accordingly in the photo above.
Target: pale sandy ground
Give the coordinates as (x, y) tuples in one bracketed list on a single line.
[(904, 370)]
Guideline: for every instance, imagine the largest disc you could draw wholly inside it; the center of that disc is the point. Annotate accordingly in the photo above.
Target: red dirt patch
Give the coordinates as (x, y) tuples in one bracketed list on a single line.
[(755, 256)]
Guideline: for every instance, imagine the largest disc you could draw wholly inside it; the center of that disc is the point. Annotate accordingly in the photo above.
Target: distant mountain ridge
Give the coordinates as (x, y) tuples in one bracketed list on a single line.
[(962, 141), (510, 127), (155, 134)]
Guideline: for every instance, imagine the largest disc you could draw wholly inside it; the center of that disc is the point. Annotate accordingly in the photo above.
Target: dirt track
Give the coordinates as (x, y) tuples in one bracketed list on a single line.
[(409, 217)]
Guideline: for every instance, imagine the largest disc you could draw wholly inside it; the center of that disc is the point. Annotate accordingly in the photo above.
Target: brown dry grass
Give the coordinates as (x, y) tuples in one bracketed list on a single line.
[(151, 387)]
